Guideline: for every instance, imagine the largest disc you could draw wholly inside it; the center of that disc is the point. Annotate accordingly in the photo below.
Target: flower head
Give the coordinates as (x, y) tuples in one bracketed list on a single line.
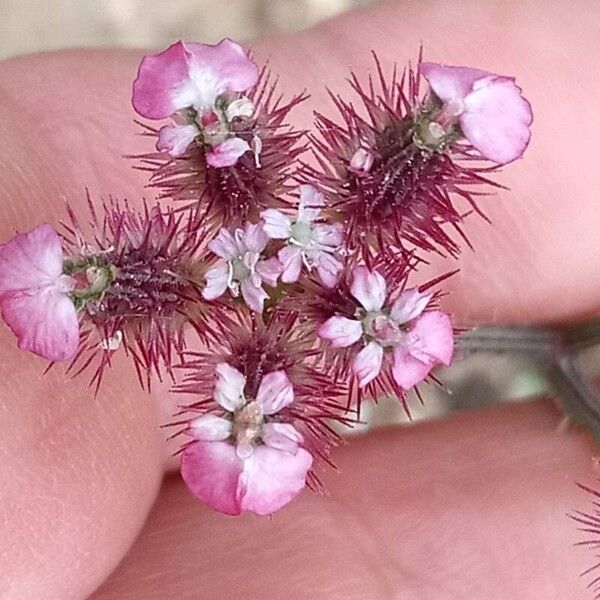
[(265, 423), (232, 165), (198, 85), (489, 109), (309, 242), (393, 178), (242, 267), (135, 274), (400, 335), (35, 294)]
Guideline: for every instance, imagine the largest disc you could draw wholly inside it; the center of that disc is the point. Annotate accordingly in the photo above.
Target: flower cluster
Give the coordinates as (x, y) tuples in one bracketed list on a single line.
[(298, 281)]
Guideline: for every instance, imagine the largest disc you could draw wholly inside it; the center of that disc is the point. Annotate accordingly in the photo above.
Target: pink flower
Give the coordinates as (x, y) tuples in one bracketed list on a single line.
[(34, 294), (309, 243), (492, 113), (417, 340), (198, 85), (246, 459), (242, 267)]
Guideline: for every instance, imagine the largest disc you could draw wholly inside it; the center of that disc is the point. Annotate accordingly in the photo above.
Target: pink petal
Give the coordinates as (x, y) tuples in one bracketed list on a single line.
[(369, 288), (255, 237), (408, 370), (269, 270), (227, 153), (229, 62), (159, 76), (367, 363), (409, 305), (328, 268), (175, 139), (496, 119), (45, 322), (31, 260), (211, 471), (451, 83), (276, 224), (311, 201), (274, 392), (216, 282), (290, 258), (229, 387), (282, 436), (434, 329), (254, 296), (340, 331), (225, 245), (210, 428), (190, 75), (431, 342), (270, 479)]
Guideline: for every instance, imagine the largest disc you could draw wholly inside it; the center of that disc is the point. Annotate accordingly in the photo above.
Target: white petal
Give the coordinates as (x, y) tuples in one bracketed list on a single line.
[(340, 331), (242, 107), (367, 364), (282, 436), (229, 389), (225, 245), (368, 287), (409, 305), (275, 392), (216, 282), (276, 225), (210, 428), (290, 259), (311, 201)]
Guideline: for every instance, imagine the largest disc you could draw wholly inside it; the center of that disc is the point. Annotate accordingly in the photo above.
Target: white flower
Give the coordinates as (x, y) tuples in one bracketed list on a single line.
[(309, 243)]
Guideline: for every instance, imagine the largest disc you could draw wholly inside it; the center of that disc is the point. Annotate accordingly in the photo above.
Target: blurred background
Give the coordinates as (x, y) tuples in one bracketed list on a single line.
[(33, 25), (485, 375)]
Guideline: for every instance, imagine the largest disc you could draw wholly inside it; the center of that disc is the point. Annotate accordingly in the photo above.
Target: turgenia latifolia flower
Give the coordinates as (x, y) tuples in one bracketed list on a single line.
[(246, 458), (259, 432), (308, 240), (199, 86), (395, 177), (126, 279), (242, 268), (399, 340), (230, 153)]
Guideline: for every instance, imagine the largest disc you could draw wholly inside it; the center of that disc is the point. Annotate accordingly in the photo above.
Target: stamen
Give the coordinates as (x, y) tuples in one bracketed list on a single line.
[(112, 343)]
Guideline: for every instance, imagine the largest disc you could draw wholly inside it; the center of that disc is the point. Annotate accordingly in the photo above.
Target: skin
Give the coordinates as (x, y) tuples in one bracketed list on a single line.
[(469, 507)]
